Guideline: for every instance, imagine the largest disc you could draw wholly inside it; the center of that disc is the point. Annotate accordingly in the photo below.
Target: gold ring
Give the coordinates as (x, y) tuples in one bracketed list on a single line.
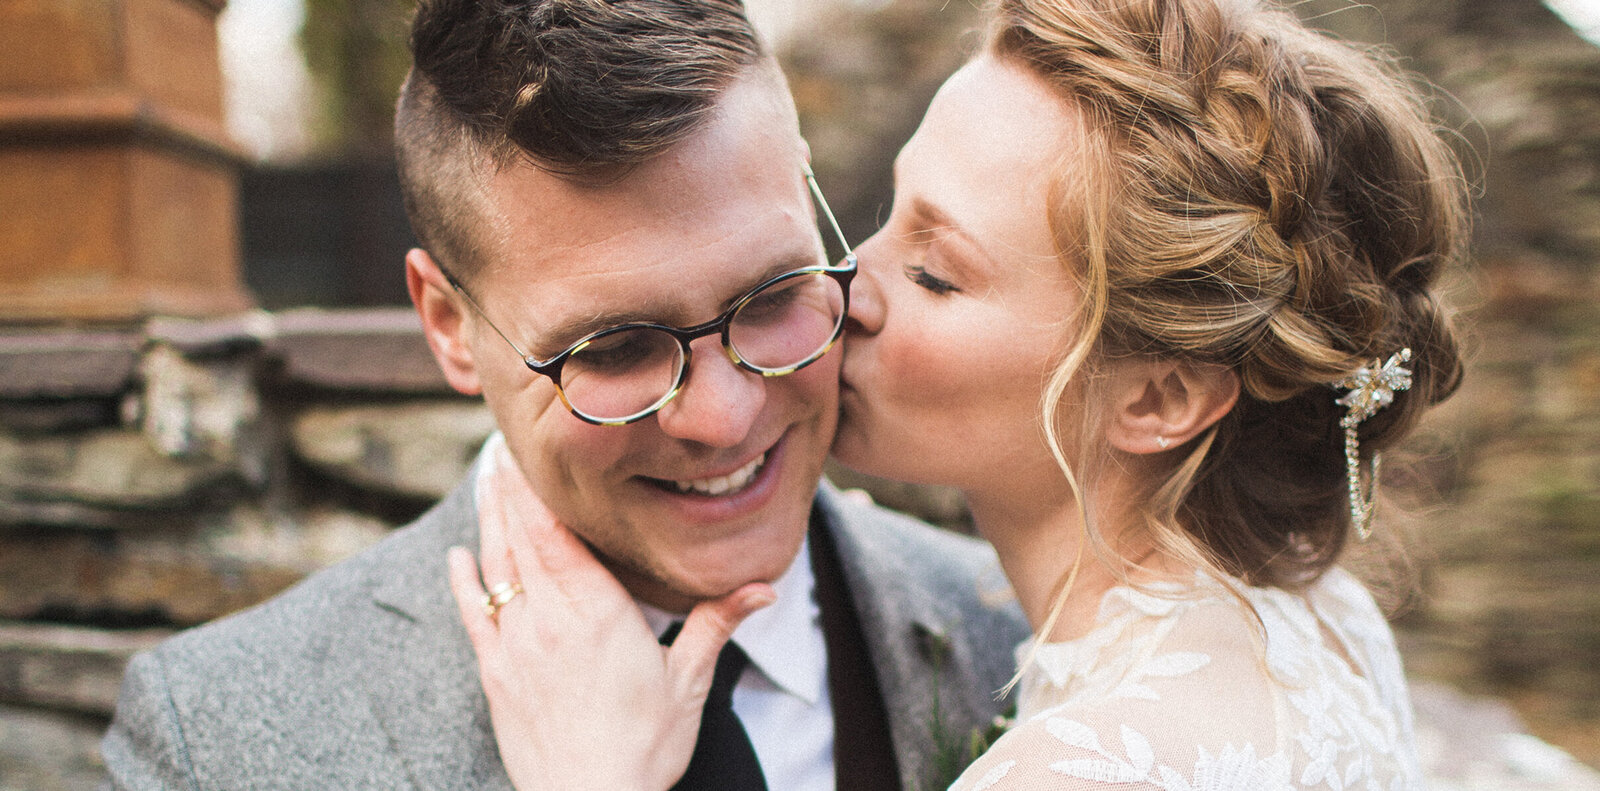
[(499, 596)]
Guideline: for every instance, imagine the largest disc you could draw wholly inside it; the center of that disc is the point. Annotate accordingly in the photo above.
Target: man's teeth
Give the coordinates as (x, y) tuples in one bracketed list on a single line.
[(738, 479)]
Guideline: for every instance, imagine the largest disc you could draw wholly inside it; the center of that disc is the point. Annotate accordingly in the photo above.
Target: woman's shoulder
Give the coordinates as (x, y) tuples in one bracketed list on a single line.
[(1242, 686), (1168, 631), (1167, 727), (1170, 675)]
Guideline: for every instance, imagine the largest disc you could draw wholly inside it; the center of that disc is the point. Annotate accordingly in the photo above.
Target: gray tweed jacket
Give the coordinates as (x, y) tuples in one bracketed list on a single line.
[(361, 677)]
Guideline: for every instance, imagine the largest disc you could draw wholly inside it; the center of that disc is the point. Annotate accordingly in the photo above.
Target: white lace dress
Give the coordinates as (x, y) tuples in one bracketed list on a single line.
[(1182, 693)]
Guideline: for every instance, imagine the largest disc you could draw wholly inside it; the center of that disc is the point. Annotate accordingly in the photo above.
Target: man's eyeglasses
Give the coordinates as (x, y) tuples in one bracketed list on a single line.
[(626, 373)]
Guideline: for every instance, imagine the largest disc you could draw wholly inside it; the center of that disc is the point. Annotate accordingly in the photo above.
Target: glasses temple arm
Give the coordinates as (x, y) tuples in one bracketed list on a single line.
[(827, 211), (476, 308)]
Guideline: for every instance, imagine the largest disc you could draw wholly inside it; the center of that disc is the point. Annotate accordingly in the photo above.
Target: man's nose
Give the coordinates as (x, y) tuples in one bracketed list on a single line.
[(720, 401)]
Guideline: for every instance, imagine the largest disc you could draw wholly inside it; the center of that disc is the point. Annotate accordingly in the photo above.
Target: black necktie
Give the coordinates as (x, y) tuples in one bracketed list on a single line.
[(723, 758)]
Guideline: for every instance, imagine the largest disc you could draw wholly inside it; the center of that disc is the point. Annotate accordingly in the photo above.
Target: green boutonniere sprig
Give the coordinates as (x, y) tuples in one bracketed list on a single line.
[(953, 754)]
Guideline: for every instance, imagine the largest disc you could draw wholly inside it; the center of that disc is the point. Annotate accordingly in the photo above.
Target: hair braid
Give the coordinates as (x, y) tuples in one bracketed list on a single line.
[(1257, 196)]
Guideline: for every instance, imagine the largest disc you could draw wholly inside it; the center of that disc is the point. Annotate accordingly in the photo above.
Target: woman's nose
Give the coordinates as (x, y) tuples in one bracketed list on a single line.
[(866, 292)]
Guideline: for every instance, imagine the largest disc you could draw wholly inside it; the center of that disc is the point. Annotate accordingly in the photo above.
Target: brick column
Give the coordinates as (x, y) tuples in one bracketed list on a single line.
[(118, 185)]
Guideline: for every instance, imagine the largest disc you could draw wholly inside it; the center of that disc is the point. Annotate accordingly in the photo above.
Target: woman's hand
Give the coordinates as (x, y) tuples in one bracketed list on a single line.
[(581, 694)]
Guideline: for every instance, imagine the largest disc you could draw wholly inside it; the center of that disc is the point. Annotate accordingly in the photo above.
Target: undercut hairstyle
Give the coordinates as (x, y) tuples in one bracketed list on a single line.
[(1252, 194), (581, 88)]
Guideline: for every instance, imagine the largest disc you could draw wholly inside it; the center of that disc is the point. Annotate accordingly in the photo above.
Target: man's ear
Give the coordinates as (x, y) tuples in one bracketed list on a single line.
[(1160, 404), (443, 321)]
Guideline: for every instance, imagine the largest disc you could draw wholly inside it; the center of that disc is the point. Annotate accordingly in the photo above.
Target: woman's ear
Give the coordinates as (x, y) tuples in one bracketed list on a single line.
[(443, 321), (1158, 404)]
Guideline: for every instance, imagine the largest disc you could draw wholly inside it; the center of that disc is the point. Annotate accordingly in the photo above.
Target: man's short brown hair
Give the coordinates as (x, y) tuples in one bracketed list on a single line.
[(576, 87)]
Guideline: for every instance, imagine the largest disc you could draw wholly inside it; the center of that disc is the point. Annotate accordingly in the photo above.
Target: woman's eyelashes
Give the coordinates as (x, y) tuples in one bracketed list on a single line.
[(933, 283)]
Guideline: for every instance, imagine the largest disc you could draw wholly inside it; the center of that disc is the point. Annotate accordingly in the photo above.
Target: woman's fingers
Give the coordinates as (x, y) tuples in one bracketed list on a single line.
[(692, 659), (493, 518), (543, 550), (469, 595), (614, 686)]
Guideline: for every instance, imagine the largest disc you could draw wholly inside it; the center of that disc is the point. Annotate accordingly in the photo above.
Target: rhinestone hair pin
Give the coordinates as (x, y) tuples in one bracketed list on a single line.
[(1371, 388)]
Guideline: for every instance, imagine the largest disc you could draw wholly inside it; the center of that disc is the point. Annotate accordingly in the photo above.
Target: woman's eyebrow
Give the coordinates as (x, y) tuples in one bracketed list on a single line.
[(939, 224)]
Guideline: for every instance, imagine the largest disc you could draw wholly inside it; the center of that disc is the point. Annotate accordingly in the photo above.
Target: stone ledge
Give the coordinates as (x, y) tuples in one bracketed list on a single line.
[(201, 338), (418, 449), (367, 350), (67, 667), (65, 364), (66, 479), (19, 514), (185, 572), (117, 115), (89, 578), (362, 350), (49, 750), (54, 416)]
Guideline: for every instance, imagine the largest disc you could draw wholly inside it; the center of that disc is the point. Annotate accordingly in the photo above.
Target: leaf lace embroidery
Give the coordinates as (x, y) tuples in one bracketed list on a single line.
[(1185, 693)]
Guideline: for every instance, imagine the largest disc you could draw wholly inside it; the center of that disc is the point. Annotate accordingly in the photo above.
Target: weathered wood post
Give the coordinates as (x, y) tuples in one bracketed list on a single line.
[(118, 186)]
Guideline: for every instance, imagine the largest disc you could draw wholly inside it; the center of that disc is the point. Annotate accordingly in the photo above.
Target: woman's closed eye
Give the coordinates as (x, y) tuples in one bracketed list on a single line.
[(933, 283)]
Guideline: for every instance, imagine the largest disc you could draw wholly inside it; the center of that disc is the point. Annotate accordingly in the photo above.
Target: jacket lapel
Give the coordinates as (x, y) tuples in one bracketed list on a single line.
[(938, 662), (424, 689)]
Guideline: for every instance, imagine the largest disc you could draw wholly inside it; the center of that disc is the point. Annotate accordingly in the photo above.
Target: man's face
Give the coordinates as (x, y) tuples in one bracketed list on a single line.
[(673, 241)]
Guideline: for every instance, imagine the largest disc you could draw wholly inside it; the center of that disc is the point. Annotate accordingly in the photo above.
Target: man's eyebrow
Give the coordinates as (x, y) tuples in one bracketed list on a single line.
[(570, 332), (575, 329)]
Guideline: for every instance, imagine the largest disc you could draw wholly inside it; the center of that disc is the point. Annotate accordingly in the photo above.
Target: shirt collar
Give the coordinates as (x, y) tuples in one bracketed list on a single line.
[(784, 639)]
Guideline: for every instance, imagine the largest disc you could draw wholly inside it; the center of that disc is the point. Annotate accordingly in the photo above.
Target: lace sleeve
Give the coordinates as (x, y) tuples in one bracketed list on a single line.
[(1177, 719), (1202, 697), (1059, 751)]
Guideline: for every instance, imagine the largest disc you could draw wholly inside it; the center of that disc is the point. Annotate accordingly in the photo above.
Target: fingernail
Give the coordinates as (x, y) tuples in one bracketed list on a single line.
[(755, 600)]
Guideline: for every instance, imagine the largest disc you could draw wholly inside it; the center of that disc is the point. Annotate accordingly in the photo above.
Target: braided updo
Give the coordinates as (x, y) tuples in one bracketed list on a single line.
[(1255, 195)]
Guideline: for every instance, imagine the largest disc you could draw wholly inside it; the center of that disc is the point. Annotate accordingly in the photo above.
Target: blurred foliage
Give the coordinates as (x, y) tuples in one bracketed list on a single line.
[(861, 81), (356, 52)]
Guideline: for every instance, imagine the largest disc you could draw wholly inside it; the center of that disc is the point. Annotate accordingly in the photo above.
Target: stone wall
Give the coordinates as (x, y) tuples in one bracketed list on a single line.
[(156, 477)]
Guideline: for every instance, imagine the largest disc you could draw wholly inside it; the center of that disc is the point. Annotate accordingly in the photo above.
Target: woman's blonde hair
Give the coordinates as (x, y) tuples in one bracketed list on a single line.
[(1259, 196)]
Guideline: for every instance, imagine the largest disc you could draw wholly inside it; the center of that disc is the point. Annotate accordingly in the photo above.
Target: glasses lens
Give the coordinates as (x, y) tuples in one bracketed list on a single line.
[(789, 323), (618, 374)]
